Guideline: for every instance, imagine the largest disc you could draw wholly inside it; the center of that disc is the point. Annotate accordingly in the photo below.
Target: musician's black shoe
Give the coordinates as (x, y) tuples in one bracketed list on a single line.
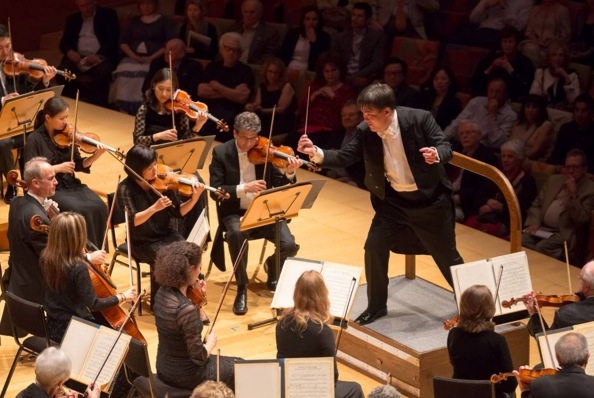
[(10, 194), (240, 303), (367, 316), (271, 285)]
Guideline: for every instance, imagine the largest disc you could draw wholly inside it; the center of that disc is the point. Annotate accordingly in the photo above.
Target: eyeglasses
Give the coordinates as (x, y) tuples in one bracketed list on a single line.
[(247, 139), (232, 49), (573, 167)]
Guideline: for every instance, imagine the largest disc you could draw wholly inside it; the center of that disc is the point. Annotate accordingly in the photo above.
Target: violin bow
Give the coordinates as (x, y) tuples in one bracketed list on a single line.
[(544, 330), (75, 124), (129, 244), (567, 265), (218, 365), (306, 111), (346, 310), (13, 59), (135, 174), (498, 283), (269, 142), (113, 202), (171, 87)]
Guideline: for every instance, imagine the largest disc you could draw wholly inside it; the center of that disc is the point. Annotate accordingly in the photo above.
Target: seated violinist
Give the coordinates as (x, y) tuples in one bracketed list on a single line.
[(232, 171), (571, 380), (151, 214), (569, 314), (475, 334), (71, 194)]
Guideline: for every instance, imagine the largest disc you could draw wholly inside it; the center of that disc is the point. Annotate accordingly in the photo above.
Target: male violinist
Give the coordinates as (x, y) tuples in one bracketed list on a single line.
[(232, 171), (25, 243), (11, 88)]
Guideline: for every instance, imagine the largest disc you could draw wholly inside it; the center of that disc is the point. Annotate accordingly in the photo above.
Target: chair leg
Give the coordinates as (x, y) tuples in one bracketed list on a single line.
[(261, 261), (210, 263), (138, 285), (10, 373)]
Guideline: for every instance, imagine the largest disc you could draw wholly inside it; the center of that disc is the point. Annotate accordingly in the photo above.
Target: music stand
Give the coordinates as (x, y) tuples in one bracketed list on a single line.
[(275, 205), (185, 156)]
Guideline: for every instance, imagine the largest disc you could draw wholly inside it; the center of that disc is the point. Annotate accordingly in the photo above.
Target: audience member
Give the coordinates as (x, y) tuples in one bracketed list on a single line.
[(579, 133), (212, 389), (384, 391), (187, 70), (571, 380), (142, 41), (52, 370), (406, 17), (561, 211), (583, 43), (226, 85), (570, 314), (508, 62), (184, 358), (534, 128), (231, 170), (438, 95), (90, 47), (303, 333), (395, 73), (493, 216), (327, 94), (470, 189), (476, 351), (548, 21), (360, 48), (493, 16), (492, 113), (196, 25), (275, 94), (258, 38), (556, 82), (303, 44), (351, 118)]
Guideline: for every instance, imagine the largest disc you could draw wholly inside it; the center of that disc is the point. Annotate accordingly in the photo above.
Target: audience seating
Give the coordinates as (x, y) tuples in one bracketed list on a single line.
[(420, 55), (463, 60)]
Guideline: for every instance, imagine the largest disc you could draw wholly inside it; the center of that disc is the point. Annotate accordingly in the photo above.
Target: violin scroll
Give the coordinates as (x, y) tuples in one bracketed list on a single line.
[(449, 324)]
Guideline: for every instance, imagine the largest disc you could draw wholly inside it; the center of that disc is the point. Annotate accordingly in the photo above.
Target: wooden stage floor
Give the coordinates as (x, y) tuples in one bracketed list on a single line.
[(333, 230)]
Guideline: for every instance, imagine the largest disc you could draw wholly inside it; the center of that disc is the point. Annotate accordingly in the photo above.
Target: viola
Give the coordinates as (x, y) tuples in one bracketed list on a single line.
[(525, 375), (196, 295), (87, 142), (451, 323), (182, 103), (168, 180), (544, 300), (19, 65), (277, 155)]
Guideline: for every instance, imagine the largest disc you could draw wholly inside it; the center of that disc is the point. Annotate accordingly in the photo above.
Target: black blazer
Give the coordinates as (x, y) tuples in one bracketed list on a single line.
[(321, 44), (570, 382), (449, 108), (107, 30), (372, 51), (568, 315)]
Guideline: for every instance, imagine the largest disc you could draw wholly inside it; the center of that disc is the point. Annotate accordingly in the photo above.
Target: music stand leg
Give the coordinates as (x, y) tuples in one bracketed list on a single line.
[(254, 325)]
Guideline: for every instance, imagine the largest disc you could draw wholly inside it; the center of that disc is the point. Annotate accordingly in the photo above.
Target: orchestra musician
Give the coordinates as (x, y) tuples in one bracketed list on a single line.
[(12, 88), (153, 126), (71, 194), (231, 170), (184, 358), (569, 314), (302, 331), (476, 351), (151, 216)]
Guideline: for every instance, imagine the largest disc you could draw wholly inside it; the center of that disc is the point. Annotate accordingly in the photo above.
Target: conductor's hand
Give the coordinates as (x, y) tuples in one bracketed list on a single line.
[(430, 155), (66, 167), (306, 146), (97, 257), (162, 203), (255, 186), (166, 135), (130, 294)]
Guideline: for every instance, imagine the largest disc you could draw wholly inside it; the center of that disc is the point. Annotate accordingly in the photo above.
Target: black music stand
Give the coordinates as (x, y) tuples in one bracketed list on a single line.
[(275, 205), (185, 156)]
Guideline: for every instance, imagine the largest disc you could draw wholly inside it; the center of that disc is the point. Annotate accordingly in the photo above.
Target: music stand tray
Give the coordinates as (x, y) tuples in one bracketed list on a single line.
[(186, 156), (18, 113)]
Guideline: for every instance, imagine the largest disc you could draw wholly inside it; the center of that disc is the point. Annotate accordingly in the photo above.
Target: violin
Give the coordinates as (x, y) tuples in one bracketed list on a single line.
[(182, 103), (277, 155), (196, 295), (87, 142), (544, 300), (19, 65), (168, 180), (449, 324), (525, 375)]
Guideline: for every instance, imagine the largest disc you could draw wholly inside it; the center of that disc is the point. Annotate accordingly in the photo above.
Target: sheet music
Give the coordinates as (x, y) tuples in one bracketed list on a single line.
[(515, 280), (292, 270), (587, 329), (200, 230), (478, 272), (309, 377), (79, 334), (100, 351), (198, 37), (340, 280), (260, 379)]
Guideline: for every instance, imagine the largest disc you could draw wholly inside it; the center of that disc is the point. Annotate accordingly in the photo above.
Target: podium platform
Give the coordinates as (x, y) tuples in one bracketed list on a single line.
[(409, 343)]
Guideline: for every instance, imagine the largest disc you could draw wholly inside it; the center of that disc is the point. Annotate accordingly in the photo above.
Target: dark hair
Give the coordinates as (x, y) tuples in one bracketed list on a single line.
[(306, 10), (575, 152), (138, 158), (329, 58), (175, 261), (399, 61), (498, 78), (3, 32), (538, 101), (586, 99), (365, 7), (377, 96), (428, 85), (160, 76), (509, 31), (52, 107)]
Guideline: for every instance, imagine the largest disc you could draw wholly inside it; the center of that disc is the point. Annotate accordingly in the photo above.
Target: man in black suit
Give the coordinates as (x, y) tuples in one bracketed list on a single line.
[(259, 38), (571, 381), (570, 314), (404, 152), (90, 48), (231, 170)]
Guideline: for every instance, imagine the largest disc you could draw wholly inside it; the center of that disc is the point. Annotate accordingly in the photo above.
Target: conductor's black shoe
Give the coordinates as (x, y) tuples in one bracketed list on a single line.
[(240, 303), (367, 316), (271, 285), (10, 194)]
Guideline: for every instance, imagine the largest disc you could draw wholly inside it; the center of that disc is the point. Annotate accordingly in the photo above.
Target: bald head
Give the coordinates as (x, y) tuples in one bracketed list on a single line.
[(251, 12), (177, 48)]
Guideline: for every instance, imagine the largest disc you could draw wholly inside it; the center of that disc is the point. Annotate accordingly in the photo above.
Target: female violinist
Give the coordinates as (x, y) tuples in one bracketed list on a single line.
[(184, 357), (476, 351), (71, 194), (151, 216)]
